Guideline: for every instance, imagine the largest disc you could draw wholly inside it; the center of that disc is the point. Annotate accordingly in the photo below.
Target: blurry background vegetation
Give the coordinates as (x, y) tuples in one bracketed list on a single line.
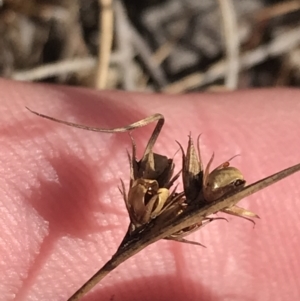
[(172, 46)]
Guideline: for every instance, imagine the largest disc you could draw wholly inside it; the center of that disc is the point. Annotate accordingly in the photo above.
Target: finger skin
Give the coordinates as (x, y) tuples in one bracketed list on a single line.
[(62, 216)]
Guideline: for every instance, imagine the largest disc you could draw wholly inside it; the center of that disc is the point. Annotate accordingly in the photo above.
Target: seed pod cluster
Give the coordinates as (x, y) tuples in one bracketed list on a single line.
[(151, 179), (202, 186), (149, 188), (150, 195), (156, 210)]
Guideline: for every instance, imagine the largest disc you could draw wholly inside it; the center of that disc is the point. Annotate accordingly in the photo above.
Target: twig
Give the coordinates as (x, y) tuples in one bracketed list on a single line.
[(55, 69), (145, 53), (63, 67), (279, 45), (162, 53), (125, 47), (153, 68), (231, 43), (276, 10), (105, 42)]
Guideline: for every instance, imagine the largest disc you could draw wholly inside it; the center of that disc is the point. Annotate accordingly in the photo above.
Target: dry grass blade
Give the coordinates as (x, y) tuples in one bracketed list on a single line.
[(283, 43), (158, 229), (135, 125), (230, 25), (155, 117), (105, 42), (64, 67), (276, 10)]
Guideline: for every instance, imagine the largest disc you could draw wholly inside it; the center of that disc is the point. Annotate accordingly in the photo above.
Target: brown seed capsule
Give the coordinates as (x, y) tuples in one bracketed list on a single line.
[(192, 176), (145, 200), (192, 171), (205, 187), (222, 180), (150, 181)]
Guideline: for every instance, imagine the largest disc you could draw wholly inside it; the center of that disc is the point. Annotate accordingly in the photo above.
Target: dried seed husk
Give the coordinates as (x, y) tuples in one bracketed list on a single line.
[(202, 187), (152, 168), (205, 187), (145, 200), (192, 171), (223, 180)]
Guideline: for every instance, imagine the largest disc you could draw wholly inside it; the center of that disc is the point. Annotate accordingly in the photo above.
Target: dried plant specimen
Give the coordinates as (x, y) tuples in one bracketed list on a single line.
[(160, 228), (204, 186), (150, 178), (150, 181), (173, 215)]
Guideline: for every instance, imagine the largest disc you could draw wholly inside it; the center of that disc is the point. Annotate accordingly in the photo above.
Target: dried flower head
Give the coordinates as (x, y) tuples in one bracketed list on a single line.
[(158, 213), (150, 180), (204, 187)]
